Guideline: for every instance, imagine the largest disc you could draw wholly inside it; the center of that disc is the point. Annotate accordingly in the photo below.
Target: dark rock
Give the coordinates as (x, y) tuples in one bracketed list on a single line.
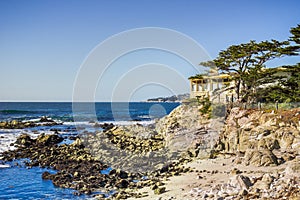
[(122, 174), (49, 139), (267, 132), (72, 137), (112, 172), (106, 126), (25, 140), (46, 176), (235, 171), (154, 187), (160, 190), (123, 183), (76, 193), (45, 119)]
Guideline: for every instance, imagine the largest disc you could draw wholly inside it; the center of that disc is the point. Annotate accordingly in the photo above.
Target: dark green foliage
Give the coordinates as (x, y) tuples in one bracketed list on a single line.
[(206, 106), (287, 88), (272, 94), (296, 34), (197, 76), (253, 81), (246, 61), (259, 79)]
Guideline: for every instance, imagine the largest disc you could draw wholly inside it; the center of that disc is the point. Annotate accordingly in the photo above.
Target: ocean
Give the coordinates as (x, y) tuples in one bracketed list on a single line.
[(19, 182)]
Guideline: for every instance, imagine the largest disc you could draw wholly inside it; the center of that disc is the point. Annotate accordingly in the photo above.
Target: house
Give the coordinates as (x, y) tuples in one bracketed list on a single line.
[(220, 87), (211, 86)]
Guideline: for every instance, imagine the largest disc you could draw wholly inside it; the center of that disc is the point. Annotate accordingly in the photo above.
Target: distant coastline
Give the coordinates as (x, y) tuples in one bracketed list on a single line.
[(174, 98)]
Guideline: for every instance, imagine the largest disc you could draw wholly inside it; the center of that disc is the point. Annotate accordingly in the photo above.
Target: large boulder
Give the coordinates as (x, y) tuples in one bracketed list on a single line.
[(25, 140), (49, 139), (260, 158)]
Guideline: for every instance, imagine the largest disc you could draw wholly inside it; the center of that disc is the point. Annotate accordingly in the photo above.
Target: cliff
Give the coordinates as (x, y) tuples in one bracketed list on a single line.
[(263, 137)]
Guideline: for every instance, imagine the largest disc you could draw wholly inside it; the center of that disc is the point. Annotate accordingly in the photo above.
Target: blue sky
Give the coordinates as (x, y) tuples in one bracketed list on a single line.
[(43, 43)]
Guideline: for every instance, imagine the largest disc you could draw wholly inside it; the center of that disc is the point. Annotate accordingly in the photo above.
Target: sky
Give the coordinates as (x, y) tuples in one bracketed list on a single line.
[(44, 44)]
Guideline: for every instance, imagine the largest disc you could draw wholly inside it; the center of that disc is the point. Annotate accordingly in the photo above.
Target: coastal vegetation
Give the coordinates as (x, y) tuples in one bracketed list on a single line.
[(254, 81)]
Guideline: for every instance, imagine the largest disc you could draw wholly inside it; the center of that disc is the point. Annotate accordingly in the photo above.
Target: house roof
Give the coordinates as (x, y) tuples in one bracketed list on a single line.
[(212, 76)]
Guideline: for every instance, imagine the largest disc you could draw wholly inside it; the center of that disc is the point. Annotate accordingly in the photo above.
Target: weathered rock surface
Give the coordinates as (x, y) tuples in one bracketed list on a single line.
[(78, 169), (260, 133), (14, 124), (282, 184), (183, 134), (260, 158), (186, 129)]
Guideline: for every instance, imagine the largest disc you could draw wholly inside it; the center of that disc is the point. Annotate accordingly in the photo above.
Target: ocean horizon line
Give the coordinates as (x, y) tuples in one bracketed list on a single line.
[(143, 101)]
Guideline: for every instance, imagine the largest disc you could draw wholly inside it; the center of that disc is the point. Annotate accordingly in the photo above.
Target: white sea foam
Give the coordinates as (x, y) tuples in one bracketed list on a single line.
[(4, 166), (37, 121), (9, 136), (32, 120), (126, 123), (118, 123), (77, 123)]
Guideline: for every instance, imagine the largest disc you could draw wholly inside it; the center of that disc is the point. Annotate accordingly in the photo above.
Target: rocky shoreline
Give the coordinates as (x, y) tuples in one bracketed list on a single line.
[(78, 169), (14, 124), (254, 154)]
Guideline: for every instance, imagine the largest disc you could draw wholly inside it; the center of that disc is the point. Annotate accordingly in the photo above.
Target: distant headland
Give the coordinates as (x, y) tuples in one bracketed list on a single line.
[(174, 98)]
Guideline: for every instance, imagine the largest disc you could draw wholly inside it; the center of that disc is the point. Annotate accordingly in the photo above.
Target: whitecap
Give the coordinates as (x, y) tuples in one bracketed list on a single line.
[(4, 166)]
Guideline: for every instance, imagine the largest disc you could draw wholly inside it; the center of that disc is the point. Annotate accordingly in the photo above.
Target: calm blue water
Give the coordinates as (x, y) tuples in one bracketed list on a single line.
[(63, 111), (18, 182), (21, 183)]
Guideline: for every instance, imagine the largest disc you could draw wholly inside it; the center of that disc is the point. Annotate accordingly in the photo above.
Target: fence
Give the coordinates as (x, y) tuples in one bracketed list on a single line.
[(260, 105)]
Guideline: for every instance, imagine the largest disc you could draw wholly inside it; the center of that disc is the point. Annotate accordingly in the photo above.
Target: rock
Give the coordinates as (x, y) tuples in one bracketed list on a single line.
[(268, 143), (49, 139), (292, 168), (244, 181), (253, 129), (46, 176), (261, 185), (3, 124), (260, 158), (77, 142), (25, 140), (121, 174), (240, 182), (105, 126), (154, 187), (14, 123), (112, 172), (160, 190), (286, 138), (264, 183), (122, 183), (243, 192), (76, 174), (235, 171), (99, 196), (76, 168), (72, 137), (267, 178), (45, 119)]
